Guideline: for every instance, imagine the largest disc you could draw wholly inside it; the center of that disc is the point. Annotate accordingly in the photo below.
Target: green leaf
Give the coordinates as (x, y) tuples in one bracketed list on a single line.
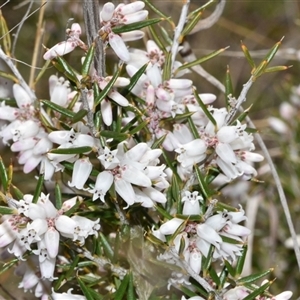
[(4, 210), (108, 87), (159, 12), (58, 197), (167, 70), (276, 69), (42, 71), (228, 88), (163, 212), (79, 116), (4, 33), (229, 268), (3, 175), (75, 150), (119, 294), (156, 38), (253, 277), (58, 108), (258, 291), (38, 189), (207, 260), (118, 136), (204, 190), (223, 276), (134, 79), (204, 108), (139, 127), (106, 246), (193, 127), (71, 271), (130, 290), (191, 23), (8, 265), (200, 60), (157, 143), (86, 290), (86, 66), (136, 25), (61, 64), (248, 56), (240, 262), (263, 65), (16, 192), (176, 192)]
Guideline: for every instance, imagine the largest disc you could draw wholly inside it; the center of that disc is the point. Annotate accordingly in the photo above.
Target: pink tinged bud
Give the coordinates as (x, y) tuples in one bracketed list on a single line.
[(23, 145), (118, 45), (51, 239), (76, 29), (118, 98), (121, 81), (8, 113), (31, 163), (131, 8), (162, 94), (150, 96), (170, 226), (106, 112), (81, 172), (135, 17), (207, 98), (251, 156), (209, 235), (60, 49), (179, 83), (132, 35), (237, 230), (125, 190), (68, 204), (107, 11), (22, 98)]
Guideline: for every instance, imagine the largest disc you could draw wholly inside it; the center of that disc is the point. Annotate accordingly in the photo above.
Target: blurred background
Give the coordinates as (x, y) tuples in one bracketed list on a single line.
[(259, 25)]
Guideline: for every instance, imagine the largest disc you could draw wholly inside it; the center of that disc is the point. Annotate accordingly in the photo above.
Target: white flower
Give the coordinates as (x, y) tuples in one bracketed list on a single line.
[(191, 204), (67, 46), (112, 16), (81, 172)]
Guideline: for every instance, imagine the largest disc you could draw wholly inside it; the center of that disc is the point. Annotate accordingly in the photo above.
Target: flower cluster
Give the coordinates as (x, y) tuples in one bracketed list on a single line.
[(39, 227)]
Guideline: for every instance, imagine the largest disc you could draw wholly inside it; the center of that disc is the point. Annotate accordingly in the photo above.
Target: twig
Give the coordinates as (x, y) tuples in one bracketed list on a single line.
[(178, 30), (280, 192), (92, 23), (38, 37), (211, 20), (17, 74), (241, 99)]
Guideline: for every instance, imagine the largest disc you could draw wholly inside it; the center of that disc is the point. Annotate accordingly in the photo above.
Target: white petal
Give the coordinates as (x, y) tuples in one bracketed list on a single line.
[(106, 112), (81, 172), (117, 97), (170, 226), (132, 35), (118, 45), (107, 11), (52, 242), (60, 49), (136, 177), (135, 17), (131, 8), (125, 190)]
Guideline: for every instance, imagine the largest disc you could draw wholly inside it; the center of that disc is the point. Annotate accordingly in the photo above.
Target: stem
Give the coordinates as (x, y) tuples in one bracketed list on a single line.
[(178, 30), (92, 24), (38, 37), (17, 74)]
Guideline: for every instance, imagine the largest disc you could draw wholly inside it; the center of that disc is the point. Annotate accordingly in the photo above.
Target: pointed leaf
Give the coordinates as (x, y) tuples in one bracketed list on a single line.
[(86, 290), (75, 150), (38, 189), (119, 294), (86, 66), (58, 108), (3, 175), (136, 25), (106, 246)]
